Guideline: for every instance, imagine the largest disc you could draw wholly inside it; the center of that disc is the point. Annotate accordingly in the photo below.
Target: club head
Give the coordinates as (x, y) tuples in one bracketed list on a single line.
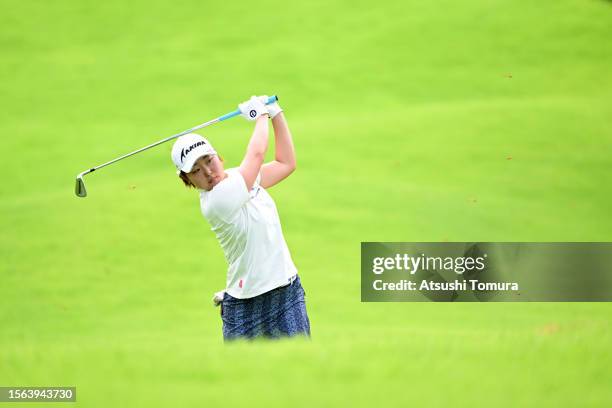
[(79, 188)]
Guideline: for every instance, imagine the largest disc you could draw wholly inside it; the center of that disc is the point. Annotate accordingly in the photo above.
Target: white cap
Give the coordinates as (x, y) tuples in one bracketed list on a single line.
[(189, 148)]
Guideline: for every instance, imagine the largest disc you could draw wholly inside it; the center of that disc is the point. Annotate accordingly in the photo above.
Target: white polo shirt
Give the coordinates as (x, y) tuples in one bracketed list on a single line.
[(247, 226)]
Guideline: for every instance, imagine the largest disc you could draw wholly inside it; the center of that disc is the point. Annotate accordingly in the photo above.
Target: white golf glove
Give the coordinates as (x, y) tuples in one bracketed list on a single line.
[(252, 109), (218, 298), (273, 108)]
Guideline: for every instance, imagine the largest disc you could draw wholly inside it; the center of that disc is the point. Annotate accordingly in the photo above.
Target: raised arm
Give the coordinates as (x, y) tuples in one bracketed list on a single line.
[(255, 110), (284, 154)]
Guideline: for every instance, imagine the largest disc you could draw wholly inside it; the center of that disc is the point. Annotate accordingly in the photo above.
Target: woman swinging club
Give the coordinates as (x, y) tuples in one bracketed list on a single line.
[(263, 295)]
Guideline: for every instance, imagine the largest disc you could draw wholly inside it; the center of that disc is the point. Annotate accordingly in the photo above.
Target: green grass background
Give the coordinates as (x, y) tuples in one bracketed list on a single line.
[(413, 121)]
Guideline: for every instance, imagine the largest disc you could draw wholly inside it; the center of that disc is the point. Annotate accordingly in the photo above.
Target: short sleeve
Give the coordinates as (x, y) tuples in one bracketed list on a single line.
[(228, 196)]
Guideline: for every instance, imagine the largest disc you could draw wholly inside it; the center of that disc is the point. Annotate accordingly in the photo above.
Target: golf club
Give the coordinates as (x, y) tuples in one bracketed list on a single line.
[(80, 184)]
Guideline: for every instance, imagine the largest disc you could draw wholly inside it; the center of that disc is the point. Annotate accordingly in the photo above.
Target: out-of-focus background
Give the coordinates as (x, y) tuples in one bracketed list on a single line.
[(413, 121)]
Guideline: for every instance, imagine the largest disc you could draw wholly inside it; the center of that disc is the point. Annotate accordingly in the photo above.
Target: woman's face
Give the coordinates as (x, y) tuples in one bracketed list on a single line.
[(207, 172)]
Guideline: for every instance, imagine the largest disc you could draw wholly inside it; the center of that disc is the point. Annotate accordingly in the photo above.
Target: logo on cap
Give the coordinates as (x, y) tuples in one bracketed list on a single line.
[(186, 151), (252, 113)]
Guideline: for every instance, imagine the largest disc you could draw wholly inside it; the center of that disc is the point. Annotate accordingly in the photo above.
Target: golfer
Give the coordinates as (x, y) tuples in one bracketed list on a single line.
[(263, 294)]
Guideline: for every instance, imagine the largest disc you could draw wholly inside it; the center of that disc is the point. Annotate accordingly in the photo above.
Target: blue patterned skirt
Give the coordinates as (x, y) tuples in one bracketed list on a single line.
[(280, 312)]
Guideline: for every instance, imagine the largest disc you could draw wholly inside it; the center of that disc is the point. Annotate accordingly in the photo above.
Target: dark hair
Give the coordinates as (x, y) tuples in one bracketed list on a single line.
[(185, 180), (183, 176)]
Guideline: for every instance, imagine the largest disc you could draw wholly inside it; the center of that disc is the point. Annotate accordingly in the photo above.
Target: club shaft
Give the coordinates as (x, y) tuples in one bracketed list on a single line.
[(193, 129), (229, 115)]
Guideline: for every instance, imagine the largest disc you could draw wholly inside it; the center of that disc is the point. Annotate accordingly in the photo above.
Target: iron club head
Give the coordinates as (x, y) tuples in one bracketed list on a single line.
[(79, 188)]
